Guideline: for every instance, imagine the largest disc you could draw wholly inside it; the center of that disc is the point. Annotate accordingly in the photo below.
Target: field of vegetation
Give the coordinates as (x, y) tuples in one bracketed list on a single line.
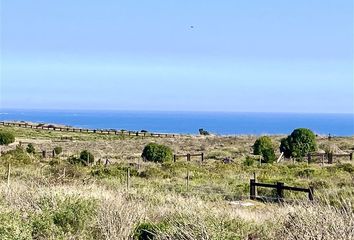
[(75, 195)]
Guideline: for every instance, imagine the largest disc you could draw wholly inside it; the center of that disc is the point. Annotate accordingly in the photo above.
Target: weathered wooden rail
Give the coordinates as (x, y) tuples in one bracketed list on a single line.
[(85, 130), (280, 187), (329, 156), (188, 156)]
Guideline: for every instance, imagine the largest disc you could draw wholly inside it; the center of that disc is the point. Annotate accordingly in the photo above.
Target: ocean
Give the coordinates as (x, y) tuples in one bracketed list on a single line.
[(189, 122)]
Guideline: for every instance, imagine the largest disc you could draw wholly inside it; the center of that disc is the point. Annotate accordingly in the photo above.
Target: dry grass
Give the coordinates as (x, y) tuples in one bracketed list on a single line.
[(158, 194)]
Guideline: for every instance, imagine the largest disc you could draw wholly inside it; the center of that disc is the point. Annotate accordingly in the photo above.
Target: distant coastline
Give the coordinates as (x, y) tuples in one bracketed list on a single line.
[(218, 123)]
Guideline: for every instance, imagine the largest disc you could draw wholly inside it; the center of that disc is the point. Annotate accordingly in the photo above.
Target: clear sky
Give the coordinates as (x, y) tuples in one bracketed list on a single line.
[(206, 55)]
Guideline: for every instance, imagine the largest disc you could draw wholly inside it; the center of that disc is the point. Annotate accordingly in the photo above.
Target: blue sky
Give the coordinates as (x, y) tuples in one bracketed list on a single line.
[(249, 56)]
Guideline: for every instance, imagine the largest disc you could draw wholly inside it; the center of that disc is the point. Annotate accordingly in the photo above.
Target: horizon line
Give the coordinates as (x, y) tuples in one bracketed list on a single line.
[(164, 110)]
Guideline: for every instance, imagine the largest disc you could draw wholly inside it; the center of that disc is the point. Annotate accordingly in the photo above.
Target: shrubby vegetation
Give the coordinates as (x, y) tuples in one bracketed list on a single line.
[(85, 158), (58, 150), (299, 143), (6, 138), (264, 147), (157, 153), (30, 149), (52, 199)]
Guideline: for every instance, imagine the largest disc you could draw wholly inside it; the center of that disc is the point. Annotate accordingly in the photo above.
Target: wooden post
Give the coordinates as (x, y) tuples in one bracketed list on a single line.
[(350, 156), (280, 191), (255, 180), (53, 152), (187, 180), (309, 158), (260, 160), (8, 174), (44, 154), (174, 158), (311, 189), (188, 157), (202, 157), (127, 180), (253, 195), (330, 158)]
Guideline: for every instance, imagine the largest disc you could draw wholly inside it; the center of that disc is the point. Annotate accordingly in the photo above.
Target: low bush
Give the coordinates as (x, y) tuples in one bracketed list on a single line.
[(16, 156), (30, 148), (58, 150), (87, 157), (249, 161), (145, 231), (61, 218), (157, 153), (6, 138)]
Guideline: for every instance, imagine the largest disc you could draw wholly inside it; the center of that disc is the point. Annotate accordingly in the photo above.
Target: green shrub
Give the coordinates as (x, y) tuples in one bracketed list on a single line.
[(268, 155), (157, 153), (299, 143), (6, 138), (86, 157), (347, 167), (13, 227), (16, 156), (30, 148), (63, 217), (249, 161), (58, 150), (306, 173), (264, 146), (148, 230)]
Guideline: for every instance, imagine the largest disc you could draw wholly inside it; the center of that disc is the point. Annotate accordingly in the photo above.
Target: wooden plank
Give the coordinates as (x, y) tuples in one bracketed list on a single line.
[(296, 189), (265, 185)]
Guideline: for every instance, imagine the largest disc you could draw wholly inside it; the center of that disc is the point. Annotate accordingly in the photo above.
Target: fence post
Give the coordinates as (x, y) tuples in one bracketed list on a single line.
[(311, 189), (202, 157), (174, 158), (280, 191), (309, 158), (53, 153), (187, 180), (8, 174), (44, 154), (351, 156), (253, 195), (128, 176), (330, 158), (188, 157)]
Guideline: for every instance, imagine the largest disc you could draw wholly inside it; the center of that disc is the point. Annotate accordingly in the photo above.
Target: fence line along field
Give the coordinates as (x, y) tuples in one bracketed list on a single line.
[(75, 185)]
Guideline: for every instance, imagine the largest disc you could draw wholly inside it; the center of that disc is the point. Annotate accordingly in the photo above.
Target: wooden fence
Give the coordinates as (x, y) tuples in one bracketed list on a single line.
[(280, 187), (329, 156), (85, 130), (188, 156)]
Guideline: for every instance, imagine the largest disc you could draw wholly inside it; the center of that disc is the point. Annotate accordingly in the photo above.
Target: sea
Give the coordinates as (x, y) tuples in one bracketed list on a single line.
[(220, 123)]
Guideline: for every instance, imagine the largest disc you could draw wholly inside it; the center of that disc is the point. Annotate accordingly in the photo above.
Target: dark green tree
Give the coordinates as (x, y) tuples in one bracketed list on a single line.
[(264, 146), (300, 142)]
